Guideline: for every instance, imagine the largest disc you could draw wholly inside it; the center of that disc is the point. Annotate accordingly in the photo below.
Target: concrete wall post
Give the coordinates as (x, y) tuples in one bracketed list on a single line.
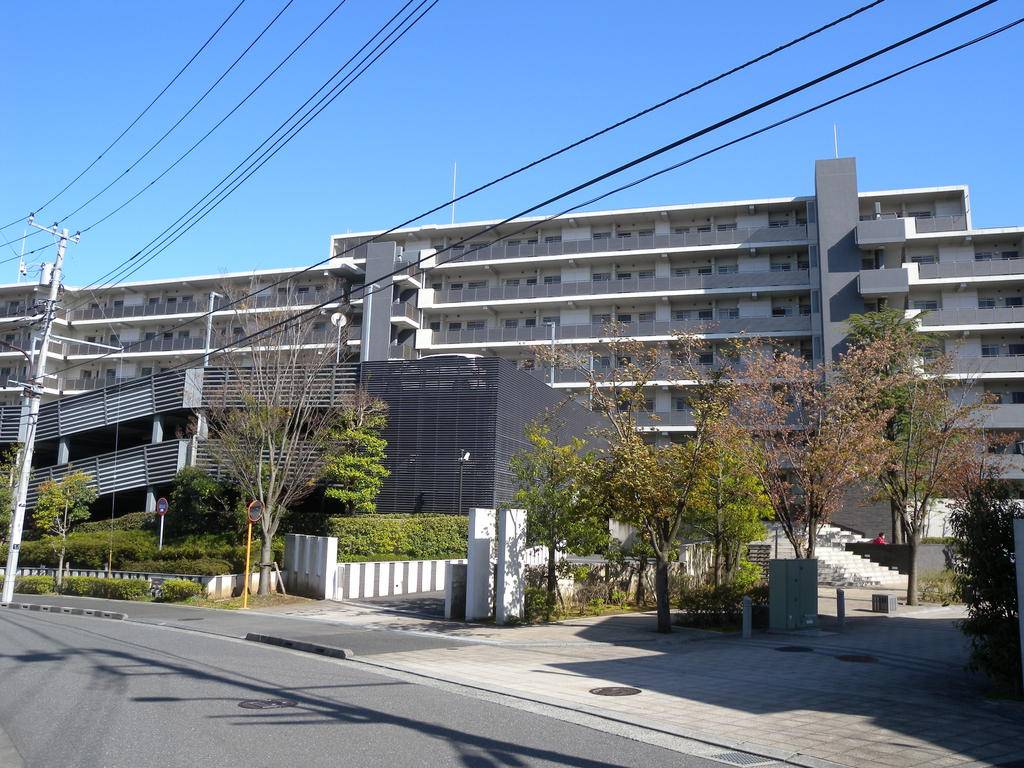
[(510, 588), (479, 571)]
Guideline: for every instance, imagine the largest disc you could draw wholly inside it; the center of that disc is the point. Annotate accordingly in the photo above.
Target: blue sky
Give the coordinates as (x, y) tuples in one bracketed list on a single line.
[(490, 85)]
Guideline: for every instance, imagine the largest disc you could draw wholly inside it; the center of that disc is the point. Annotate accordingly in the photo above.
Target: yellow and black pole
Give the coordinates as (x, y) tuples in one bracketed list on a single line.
[(254, 513)]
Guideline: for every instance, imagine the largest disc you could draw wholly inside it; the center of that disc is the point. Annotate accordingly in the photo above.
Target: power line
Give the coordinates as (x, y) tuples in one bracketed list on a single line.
[(137, 117), (376, 52), (188, 112), (551, 155), (365, 290), (219, 122)]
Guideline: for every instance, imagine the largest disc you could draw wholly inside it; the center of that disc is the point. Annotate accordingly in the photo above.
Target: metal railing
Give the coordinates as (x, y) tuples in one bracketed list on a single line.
[(166, 307), (674, 418), (741, 281), (796, 232), (404, 309), (972, 316), (991, 268), (967, 365), (760, 325), (954, 223)]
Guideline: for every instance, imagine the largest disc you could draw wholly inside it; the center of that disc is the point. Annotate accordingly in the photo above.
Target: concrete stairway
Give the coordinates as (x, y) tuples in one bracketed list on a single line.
[(836, 566)]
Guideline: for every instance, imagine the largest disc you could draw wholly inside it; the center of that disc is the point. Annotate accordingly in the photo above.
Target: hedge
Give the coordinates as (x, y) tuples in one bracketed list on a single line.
[(32, 585), (400, 537), (133, 521), (89, 549), (709, 606), (204, 566), (177, 590), (113, 589)]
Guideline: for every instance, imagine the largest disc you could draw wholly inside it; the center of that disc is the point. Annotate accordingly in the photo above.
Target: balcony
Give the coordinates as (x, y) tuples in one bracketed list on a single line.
[(794, 324), (164, 308), (965, 365), (793, 233), (665, 420), (953, 317), (993, 268), (402, 352), (883, 282), (893, 230), (135, 347), (741, 281), (1004, 417), (404, 313)]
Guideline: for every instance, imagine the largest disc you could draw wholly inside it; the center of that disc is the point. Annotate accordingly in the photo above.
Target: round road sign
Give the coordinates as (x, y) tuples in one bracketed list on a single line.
[(162, 506), (255, 511)]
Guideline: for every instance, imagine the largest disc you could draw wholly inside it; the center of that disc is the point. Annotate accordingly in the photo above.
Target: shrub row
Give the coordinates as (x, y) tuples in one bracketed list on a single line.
[(204, 566), (177, 590), (32, 585), (113, 589), (133, 521), (400, 537), (706, 605)]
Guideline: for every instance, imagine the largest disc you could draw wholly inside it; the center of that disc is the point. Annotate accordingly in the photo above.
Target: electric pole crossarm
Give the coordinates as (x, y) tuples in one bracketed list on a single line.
[(30, 408)]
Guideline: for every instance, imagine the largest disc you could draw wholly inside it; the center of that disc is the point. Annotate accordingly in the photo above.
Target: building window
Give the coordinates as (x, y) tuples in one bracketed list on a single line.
[(926, 304), (435, 325), (552, 279), (704, 228), (153, 301), (168, 335), (553, 239), (455, 325), (530, 322), (602, 235), (554, 320), (704, 270), (726, 227), (511, 322), (601, 277), (990, 350), (624, 275), (927, 258), (680, 314), (645, 274), (454, 286), (678, 404), (147, 371), (728, 269), (782, 266), (706, 358), (511, 281), (803, 265), (150, 336), (1014, 301), (645, 233), (983, 256), (1015, 350), (186, 299), (646, 317), (476, 284), (436, 286), (680, 271), (476, 325), (624, 317), (729, 313), (513, 243), (986, 303), (805, 309), (1017, 398), (680, 230), (780, 311), (920, 214), (601, 318), (705, 314), (531, 281), (185, 334), (775, 223), (1010, 255)]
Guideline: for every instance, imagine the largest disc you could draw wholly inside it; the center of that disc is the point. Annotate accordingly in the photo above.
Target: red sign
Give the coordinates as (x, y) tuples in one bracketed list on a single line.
[(162, 506)]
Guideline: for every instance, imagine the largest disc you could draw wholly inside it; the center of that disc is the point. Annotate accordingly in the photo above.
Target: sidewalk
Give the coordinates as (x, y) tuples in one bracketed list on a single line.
[(888, 691)]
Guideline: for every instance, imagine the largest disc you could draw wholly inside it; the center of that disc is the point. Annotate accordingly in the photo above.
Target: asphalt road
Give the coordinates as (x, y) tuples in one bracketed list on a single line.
[(82, 691)]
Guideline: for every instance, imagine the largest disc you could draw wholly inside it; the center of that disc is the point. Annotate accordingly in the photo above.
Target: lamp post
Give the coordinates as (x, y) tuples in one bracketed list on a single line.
[(463, 459)]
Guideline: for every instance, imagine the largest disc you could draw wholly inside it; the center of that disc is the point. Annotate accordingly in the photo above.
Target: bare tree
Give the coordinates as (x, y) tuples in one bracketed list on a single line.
[(273, 414), (816, 431)]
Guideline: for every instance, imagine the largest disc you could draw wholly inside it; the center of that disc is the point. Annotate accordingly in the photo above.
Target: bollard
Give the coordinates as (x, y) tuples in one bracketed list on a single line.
[(746, 617), (840, 607)]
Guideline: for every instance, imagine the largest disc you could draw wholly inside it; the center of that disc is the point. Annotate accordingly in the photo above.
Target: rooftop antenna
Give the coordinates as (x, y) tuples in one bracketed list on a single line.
[(835, 139), (22, 269), (455, 171)]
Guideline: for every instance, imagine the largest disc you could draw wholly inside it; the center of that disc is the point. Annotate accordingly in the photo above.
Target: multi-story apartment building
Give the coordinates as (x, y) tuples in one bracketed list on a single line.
[(788, 270)]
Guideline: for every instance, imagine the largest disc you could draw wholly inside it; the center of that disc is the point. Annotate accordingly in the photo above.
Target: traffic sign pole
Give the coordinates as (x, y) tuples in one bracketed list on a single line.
[(162, 506), (254, 513), (160, 545)]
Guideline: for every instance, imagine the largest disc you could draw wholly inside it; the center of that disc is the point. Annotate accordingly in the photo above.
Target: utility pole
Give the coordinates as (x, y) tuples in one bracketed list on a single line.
[(30, 407), (209, 327)]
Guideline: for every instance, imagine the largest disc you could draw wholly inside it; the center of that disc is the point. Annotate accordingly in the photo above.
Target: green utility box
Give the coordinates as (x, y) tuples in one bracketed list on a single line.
[(792, 594)]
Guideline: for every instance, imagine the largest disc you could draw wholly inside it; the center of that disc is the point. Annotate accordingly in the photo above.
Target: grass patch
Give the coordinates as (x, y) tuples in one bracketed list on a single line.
[(255, 601)]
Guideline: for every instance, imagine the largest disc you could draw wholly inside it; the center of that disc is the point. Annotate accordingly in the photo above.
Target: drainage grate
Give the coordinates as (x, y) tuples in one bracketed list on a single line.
[(615, 690), (742, 758), (265, 703), (857, 658), (795, 649)]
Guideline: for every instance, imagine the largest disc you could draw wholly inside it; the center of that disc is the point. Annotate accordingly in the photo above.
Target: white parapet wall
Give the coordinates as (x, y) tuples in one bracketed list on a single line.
[(390, 577), (310, 565)]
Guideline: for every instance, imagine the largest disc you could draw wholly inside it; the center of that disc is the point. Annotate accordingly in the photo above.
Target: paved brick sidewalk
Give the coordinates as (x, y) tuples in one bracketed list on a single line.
[(912, 704)]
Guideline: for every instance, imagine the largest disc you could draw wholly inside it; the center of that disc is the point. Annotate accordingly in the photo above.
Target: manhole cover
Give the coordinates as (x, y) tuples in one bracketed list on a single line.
[(795, 649), (615, 690), (265, 703), (857, 658), (742, 758)]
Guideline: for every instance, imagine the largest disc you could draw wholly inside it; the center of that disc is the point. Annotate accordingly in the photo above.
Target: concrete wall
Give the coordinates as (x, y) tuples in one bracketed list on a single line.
[(310, 563), (930, 557)]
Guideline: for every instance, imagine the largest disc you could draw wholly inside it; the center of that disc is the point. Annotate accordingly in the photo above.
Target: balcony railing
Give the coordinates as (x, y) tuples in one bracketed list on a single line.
[(760, 325), (740, 280), (656, 419), (968, 365), (954, 223), (402, 352), (796, 232), (991, 268), (404, 309), (147, 345), (973, 316), (156, 309)]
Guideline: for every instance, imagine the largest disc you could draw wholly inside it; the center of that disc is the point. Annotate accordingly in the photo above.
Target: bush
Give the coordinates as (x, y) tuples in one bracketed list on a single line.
[(201, 503), (400, 537), (709, 606), (536, 606), (206, 566), (112, 589), (89, 549), (133, 521), (939, 587), (984, 566), (177, 590), (32, 585)]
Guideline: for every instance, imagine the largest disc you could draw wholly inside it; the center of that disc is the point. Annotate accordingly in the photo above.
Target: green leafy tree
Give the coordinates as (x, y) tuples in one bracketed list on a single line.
[(61, 505), (909, 348), (552, 488), (354, 470), (728, 508), (8, 478), (982, 521), (200, 503)]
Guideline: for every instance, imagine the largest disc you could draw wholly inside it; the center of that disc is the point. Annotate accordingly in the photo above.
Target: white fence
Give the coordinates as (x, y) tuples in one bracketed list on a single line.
[(387, 578)]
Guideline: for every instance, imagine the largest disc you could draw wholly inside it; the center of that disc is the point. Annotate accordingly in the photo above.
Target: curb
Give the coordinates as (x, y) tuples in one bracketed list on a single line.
[(65, 610), (299, 645)]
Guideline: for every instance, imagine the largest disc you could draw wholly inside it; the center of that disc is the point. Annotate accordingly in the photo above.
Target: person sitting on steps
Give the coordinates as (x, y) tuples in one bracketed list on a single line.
[(880, 538)]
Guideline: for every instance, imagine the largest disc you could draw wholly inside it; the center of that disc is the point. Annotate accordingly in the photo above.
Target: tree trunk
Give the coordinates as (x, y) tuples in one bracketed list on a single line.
[(912, 540), (641, 590), (717, 563), (266, 554), (60, 568), (549, 604), (897, 523), (662, 596)]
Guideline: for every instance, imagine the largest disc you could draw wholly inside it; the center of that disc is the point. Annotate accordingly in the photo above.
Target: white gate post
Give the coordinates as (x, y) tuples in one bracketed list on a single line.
[(479, 569), (510, 590)]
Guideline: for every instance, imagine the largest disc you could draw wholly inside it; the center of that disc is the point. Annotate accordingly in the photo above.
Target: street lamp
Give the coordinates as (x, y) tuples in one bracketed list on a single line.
[(463, 459)]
